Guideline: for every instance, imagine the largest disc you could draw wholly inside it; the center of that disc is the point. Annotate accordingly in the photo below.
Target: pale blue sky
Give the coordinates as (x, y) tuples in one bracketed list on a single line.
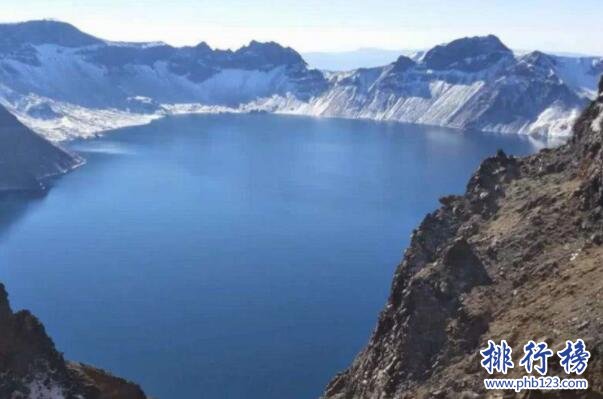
[(330, 25)]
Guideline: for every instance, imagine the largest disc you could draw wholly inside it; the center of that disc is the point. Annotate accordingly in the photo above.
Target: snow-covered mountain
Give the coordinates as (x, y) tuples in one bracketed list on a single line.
[(88, 72), (63, 82), (58, 79), (471, 83)]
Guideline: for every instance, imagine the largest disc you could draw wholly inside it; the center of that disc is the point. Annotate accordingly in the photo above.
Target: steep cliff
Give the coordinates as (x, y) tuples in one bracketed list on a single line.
[(27, 160), (31, 367), (518, 257)]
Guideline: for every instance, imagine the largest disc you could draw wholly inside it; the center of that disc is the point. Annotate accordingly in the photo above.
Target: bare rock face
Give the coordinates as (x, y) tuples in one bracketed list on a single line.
[(518, 257), (31, 367)]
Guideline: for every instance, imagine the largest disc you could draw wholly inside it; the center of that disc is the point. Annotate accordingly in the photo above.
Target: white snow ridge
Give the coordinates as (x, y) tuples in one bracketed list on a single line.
[(84, 87)]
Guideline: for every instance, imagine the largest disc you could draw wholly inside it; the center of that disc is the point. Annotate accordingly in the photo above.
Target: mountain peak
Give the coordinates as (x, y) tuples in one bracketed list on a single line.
[(203, 46), (467, 54), (403, 63), (270, 53), (45, 32), (539, 58)]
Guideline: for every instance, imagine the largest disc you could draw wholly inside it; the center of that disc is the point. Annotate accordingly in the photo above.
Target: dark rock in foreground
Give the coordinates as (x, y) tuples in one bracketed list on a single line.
[(31, 367)]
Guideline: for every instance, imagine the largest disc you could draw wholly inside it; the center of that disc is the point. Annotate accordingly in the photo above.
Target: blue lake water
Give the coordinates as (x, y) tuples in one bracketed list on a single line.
[(230, 256)]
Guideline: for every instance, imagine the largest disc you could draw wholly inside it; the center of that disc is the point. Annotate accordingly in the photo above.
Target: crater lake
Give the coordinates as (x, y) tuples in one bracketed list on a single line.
[(230, 256)]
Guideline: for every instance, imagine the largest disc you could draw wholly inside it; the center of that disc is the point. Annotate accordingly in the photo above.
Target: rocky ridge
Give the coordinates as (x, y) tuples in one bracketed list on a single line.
[(32, 368), (472, 83), (518, 257), (55, 61), (28, 160), (63, 83)]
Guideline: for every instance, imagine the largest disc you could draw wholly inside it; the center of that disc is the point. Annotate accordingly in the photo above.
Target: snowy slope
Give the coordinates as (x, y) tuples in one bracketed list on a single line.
[(472, 83), (64, 83)]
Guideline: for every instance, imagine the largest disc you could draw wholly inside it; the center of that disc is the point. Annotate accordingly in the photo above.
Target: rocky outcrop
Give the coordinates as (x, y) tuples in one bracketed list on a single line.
[(518, 257), (27, 160), (31, 367)]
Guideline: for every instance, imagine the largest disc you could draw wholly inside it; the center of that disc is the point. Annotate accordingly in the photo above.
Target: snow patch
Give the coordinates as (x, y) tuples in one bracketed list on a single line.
[(554, 121), (43, 388), (72, 121), (597, 123)]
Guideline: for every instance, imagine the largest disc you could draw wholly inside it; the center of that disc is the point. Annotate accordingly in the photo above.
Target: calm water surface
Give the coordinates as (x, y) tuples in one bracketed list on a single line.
[(230, 256)]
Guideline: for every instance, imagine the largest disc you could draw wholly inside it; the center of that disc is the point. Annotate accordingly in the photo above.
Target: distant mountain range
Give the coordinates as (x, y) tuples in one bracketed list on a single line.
[(370, 57), (471, 83), (62, 83)]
